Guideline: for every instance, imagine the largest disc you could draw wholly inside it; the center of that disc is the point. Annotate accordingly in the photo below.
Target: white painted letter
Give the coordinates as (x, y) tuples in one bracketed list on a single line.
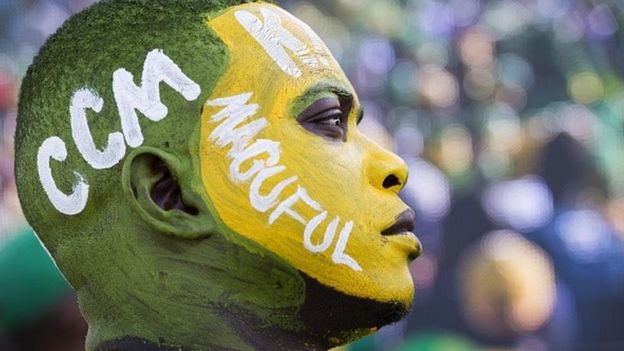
[(286, 206), (330, 232), (317, 44), (264, 203), (270, 147), (115, 148), (157, 68), (339, 256), (72, 204), (236, 111), (275, 40)]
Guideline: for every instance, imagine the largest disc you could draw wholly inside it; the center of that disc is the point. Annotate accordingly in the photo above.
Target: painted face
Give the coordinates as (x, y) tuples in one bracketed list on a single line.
[(284, 164)]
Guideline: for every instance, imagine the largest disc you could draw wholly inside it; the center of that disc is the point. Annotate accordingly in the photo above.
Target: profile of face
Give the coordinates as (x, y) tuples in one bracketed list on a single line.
[(219, 168), (284, 164)]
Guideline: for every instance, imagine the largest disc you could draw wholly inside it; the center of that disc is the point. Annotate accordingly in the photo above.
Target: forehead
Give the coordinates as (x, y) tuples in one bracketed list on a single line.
[(270, 50)]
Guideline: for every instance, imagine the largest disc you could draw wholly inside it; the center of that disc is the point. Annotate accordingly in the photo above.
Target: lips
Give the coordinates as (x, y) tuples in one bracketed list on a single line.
[(404, 223)]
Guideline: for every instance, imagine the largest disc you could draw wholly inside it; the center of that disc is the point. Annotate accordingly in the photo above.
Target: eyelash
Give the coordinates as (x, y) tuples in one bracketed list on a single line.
[(327, 120), (330, 122), (329, 115)]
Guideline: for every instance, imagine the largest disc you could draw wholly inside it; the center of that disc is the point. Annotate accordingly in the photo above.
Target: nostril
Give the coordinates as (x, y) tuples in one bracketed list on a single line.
[(391, 181)]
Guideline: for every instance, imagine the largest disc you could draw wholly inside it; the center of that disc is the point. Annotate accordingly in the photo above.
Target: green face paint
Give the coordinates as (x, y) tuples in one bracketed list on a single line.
[(113, 173)]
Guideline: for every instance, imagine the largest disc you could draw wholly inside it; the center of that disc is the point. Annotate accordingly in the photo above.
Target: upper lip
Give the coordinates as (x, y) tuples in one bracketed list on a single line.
[(404, 223)]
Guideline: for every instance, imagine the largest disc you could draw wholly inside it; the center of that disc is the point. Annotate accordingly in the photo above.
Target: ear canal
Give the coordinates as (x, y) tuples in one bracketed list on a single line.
[(160, 189), (166, 193)]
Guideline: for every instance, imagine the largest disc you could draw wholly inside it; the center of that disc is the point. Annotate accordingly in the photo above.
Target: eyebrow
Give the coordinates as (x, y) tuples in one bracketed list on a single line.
[(327, 86), (332, 86)]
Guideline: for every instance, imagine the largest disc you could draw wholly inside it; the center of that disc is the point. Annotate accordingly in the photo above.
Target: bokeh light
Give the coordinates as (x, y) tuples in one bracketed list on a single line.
[(455, 154), (586, 87), (438, 86), (509, 285), (476, 47)]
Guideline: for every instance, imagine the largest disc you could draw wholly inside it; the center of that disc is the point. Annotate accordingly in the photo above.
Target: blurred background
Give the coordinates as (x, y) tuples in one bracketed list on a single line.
[(510, 115)]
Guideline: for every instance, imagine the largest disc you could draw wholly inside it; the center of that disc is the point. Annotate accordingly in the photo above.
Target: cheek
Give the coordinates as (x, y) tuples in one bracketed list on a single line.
[(333, 170), (311, 205)]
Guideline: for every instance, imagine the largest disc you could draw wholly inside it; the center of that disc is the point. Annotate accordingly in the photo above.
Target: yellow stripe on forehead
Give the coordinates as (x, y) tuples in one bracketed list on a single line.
[(270, 38)]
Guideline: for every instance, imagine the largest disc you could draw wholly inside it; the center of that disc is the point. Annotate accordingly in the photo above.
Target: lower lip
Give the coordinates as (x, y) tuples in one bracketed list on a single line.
[(408, 241)]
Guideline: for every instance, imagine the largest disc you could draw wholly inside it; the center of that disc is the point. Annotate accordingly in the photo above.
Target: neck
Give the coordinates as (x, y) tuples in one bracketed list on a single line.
[(326, 315), (212, 295), (216, 294), (243, 337), (254, 341), (133, 344)]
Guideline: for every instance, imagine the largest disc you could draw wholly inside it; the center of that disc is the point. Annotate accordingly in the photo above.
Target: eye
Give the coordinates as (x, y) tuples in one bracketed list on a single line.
[(330, 118), (327, 118)]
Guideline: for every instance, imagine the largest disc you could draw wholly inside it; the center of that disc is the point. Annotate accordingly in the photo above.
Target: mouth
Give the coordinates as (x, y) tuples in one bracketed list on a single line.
[(401, 234), (403, 224)]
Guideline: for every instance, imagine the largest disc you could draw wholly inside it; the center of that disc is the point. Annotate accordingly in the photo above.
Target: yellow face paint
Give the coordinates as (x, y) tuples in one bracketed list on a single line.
[(320, 203)]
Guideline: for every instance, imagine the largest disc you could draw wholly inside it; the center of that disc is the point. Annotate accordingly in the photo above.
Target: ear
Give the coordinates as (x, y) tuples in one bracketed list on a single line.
[(160, 188)]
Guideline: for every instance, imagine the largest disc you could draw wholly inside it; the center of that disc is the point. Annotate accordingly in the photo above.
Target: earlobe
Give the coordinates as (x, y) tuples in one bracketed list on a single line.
[(158, 186)]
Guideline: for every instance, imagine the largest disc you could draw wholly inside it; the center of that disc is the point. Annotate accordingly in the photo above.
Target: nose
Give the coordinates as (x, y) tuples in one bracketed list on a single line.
[(386, 170)]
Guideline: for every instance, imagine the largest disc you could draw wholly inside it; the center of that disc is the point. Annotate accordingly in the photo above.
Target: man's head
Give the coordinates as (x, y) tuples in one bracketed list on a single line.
[(200, 161)]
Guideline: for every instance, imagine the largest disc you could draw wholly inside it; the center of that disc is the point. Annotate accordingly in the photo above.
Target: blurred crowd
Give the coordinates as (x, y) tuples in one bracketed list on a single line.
[(510, 115)]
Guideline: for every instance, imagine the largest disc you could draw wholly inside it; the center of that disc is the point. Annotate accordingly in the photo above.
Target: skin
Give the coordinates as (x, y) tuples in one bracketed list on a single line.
[(327, 166), (168, 253)]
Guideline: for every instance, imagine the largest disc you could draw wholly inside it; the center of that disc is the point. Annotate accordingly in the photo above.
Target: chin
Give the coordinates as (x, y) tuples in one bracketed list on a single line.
[(340, 318)]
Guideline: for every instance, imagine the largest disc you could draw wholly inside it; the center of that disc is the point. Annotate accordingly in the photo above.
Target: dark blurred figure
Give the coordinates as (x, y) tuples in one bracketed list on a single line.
[(587, 255), (464, 226), (38, 309), (567, 169), (60, 329), (485, 277)]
